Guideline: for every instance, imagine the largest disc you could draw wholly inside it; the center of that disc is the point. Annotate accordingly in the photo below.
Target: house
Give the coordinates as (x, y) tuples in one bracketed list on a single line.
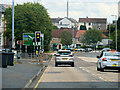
[(2, 24), (65, 23), (79, 38), (56, 41), (93, 23)]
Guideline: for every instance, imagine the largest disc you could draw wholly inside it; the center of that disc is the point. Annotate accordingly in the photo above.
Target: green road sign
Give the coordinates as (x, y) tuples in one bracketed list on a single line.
[(28, 38)]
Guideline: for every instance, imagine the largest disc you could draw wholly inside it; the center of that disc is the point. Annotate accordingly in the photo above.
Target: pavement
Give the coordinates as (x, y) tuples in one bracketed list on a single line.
[(83, 75), (19, 75)]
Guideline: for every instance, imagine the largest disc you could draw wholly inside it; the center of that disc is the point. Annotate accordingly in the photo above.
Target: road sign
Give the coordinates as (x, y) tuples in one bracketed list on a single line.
[(20, 42), (28, 38)]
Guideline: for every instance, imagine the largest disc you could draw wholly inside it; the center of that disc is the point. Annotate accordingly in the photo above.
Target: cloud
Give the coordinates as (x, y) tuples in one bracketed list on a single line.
[(77, 9)]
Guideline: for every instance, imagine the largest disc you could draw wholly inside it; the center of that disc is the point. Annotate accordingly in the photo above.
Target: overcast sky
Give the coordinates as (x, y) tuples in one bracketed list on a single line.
[(77, 8)]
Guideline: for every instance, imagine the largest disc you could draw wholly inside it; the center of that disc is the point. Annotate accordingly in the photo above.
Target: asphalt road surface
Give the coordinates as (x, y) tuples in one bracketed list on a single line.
[(83, 75)]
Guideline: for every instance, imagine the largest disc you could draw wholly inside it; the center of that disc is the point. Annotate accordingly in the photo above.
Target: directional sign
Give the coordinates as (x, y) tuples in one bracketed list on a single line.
[(28, 38)]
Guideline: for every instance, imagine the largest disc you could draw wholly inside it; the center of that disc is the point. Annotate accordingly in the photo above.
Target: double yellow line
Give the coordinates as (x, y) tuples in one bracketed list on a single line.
[(39, 80)]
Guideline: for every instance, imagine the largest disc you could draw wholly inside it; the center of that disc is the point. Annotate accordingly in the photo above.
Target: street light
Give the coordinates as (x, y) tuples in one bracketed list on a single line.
[(109, 35), (115, 28)]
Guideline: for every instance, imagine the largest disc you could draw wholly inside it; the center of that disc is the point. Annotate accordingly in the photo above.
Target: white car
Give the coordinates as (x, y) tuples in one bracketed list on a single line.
[(108, 60), (81, 49), (64, 57)]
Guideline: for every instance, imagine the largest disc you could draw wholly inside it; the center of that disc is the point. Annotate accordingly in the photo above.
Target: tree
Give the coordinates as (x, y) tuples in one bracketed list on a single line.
[(92, 36), (113, 36), (29, 18), (118, 23), (66, 38), (55, 27)]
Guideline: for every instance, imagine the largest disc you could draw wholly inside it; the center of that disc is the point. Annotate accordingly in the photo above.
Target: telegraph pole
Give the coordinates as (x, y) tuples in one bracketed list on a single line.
[(12, 24), (109, 35)]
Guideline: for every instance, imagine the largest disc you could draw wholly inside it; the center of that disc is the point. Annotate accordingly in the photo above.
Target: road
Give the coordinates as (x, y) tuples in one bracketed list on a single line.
[(83, 75)]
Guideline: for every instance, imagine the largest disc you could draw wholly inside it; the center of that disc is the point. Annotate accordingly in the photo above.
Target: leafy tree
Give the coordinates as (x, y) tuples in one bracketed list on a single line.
[(118, 23), (112, 28), (82, 27), (55, 27), (92, 36), (66, 38), (113, 36), (29, 18)]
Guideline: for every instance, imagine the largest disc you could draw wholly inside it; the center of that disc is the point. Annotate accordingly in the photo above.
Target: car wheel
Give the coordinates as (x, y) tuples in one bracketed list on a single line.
[(72, 64), (119, 70), (98, 69), (56, 64), (101, 69)]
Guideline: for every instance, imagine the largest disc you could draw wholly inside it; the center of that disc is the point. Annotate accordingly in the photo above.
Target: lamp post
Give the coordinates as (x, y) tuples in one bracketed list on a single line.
[(109, 35), (115, 28), (12, 24)]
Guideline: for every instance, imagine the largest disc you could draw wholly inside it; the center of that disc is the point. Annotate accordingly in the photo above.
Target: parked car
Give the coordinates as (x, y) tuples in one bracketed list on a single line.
[(64, 57), (106, 49), (81, 49), (108, 60), (88, 49)]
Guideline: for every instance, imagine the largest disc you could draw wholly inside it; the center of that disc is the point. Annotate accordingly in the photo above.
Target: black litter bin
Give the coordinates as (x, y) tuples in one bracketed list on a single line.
[(10, 59), (3, 60)]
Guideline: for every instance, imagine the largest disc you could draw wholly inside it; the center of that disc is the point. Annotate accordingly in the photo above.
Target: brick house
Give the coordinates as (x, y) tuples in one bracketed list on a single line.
[(93, 23)]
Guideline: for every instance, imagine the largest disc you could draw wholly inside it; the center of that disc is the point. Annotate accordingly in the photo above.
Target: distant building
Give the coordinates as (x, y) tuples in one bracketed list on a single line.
[(56, 41), (2, 24), (64, 23), (93, 23)]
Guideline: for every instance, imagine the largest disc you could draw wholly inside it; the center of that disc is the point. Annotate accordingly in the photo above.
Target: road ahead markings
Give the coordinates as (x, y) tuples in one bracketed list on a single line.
[(88, 59), (92, 74)]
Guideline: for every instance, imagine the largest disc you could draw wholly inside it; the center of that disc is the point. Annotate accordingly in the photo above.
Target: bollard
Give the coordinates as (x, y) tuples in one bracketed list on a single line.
[(18, 56)]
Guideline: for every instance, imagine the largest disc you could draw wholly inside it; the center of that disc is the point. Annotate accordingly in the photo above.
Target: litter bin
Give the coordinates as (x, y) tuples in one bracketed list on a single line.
[(3, 60), (10, 59)]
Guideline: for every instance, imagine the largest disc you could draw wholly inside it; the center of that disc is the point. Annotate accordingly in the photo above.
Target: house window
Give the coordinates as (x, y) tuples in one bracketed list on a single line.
[(60, 23), (89, 24), (0, 19), (0, 39), (99, 28)]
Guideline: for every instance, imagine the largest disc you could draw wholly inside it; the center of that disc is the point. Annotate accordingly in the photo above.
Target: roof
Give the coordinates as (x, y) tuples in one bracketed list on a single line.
[(104, 31), (56, 20), (79, 33), (104, 36), (57, 33), (93, 20), (72, 20)]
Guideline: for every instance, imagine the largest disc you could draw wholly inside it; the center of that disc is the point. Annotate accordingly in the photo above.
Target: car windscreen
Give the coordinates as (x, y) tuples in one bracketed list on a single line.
[(113, 54), (64, 53)]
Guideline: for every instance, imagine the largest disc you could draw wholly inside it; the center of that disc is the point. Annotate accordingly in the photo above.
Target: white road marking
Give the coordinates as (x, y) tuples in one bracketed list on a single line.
[(92, 74), (88, 59)]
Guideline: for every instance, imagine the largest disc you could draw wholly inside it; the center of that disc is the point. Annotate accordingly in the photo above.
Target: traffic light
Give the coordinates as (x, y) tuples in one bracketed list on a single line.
[(37, 36)]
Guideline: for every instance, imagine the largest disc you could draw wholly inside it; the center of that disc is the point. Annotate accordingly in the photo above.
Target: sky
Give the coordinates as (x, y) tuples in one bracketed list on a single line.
[(77, 8)]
